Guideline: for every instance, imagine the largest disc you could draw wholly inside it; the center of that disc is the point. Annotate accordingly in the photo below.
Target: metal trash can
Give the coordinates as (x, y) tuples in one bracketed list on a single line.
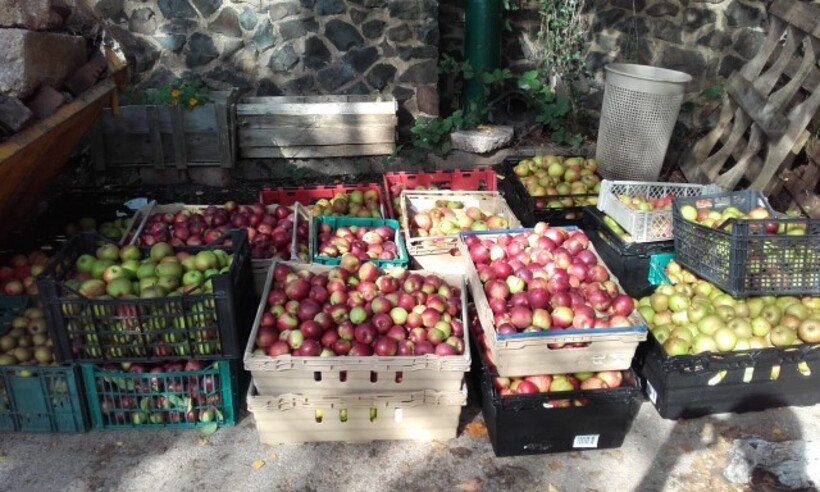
[(640, 108)]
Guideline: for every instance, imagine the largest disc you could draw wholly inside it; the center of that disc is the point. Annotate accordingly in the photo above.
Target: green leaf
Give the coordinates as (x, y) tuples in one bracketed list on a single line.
[(713, 92)]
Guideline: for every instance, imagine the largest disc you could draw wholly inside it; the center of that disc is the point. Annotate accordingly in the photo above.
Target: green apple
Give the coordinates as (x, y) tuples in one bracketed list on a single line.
[(742, 344), (160, 251), (772, 313), (680, 318), (648, 313), (676, 346), (114, 272), (725, 339), (119, 287), (781, 336), (682, 332), (755, 305), (146, 282), (710, 324), (205, 260), (726, 313), (697, 311), (659, 302), (688, 212), (742, 327), (169, 269), (760, 326), (704, 343), (152, 292), (85, 263), (129, 252), (797, 310), (99, 268), (92, 288), (168, 282), (108, 252), (785, 301), (661, 333), (130, 267), (758, 343), (193, 277), (678, 302), (146, 269)]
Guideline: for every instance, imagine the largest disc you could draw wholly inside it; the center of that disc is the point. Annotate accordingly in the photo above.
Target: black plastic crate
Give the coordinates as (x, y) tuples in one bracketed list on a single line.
[(524, 205), (743, 259), (691, 386), (528, 424), (205, 326), (628, 261)]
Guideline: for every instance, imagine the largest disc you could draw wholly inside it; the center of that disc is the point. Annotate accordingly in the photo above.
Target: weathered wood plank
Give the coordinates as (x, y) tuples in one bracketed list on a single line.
[(152, 114), (754, 104), (308, 152), (178, 138), (315, 120), (287, 137), (320, 108), (129, 151), (801, 15), (806, 198), (315, 99), (226, 154)]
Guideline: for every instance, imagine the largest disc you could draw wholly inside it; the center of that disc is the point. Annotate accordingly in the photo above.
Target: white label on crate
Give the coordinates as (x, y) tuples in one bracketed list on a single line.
[(588, 441), (651, 393)]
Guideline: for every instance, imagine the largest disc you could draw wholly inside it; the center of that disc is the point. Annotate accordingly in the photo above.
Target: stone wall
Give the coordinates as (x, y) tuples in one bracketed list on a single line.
[(287, 47), (708, 39)]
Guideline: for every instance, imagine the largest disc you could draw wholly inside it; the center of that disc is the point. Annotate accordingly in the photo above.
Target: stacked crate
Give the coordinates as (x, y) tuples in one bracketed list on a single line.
[(550, 420), (297, 398), (153, 362)]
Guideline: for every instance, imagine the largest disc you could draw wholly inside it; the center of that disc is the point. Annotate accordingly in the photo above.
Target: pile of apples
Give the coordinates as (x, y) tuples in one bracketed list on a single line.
[(547, 279), (548, 176), (647, 204), (366, 243), (113, 230), (355, 203), (715, 218), (617, 229), (694, 316), (148, 394), (358, 310), (270, 228), (27, 342), (17, 276), (143, 330), (447, 218)]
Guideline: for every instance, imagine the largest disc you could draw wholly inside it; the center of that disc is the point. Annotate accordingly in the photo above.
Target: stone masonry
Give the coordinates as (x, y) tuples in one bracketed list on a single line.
[(708, 39), (287, 47)]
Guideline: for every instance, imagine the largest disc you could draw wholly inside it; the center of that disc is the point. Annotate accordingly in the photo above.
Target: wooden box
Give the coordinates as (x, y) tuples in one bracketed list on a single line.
[(165, 137), (316, 126)]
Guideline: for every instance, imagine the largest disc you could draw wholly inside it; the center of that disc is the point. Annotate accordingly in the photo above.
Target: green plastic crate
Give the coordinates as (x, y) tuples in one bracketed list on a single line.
[(163, 399), (10, 307), (337, 222), (41, 399), (657, 265)]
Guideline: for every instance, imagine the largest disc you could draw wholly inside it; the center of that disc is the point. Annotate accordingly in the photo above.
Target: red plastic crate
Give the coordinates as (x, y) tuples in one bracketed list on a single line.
[(307, 195), (471, 180)]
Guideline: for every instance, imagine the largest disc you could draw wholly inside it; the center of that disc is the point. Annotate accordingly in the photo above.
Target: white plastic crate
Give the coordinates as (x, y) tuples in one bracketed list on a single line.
[(325, 376), (646, 226), (417, 201), (407, 415)]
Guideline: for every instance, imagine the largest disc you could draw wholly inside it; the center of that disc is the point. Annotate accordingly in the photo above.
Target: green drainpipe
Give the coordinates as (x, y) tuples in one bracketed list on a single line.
[(482, 43)]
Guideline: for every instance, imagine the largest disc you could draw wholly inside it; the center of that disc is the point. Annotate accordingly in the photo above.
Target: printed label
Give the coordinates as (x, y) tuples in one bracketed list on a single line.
[(651, 393), (588, 441)]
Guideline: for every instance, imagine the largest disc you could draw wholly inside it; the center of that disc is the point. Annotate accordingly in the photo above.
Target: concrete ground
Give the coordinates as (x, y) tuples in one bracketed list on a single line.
[(658, 455)]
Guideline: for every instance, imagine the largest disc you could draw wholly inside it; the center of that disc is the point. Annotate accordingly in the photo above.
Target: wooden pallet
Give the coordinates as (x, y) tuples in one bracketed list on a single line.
[(769, 104)]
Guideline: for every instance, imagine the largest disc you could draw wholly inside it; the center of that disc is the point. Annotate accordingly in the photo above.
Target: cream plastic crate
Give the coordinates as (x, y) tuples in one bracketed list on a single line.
[(524, 354), (415, 201), (349, 375), (443, 263), (259, 266), (646, 226), (408, 415)]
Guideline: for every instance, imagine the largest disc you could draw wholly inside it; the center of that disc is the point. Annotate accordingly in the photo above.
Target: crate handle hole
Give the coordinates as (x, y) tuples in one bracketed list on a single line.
[(343, 376), (343, 415), (317, 376), (775, 374), (804, 369), (374, 377), (374, 414), (398, 415), (318, 416), (399, 377), (747, 374), (717, 378)]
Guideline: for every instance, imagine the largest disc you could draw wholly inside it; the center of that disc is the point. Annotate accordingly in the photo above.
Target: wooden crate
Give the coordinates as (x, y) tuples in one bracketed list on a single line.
[(165, 137), (316, 126)]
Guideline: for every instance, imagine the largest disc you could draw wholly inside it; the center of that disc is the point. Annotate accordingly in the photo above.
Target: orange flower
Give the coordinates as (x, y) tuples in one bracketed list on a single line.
[(174, 92), (192, 102)]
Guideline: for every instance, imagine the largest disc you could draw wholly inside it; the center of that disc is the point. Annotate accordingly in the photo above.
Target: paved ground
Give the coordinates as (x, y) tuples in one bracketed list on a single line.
[(658, 455)]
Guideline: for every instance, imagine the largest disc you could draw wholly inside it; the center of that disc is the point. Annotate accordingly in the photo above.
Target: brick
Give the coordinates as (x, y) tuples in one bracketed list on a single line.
[(29, 59), (35, 15)]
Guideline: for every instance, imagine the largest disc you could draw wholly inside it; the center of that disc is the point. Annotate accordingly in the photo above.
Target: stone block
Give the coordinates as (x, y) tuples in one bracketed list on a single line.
[(35, 15), (210, 176), (483, 139), (46, 102), (14, 115), (29, 59)]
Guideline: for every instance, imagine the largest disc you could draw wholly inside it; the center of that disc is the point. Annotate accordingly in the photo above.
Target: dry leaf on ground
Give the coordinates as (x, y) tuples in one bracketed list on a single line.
[(257, 464), (476, 429), (471, 485)]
